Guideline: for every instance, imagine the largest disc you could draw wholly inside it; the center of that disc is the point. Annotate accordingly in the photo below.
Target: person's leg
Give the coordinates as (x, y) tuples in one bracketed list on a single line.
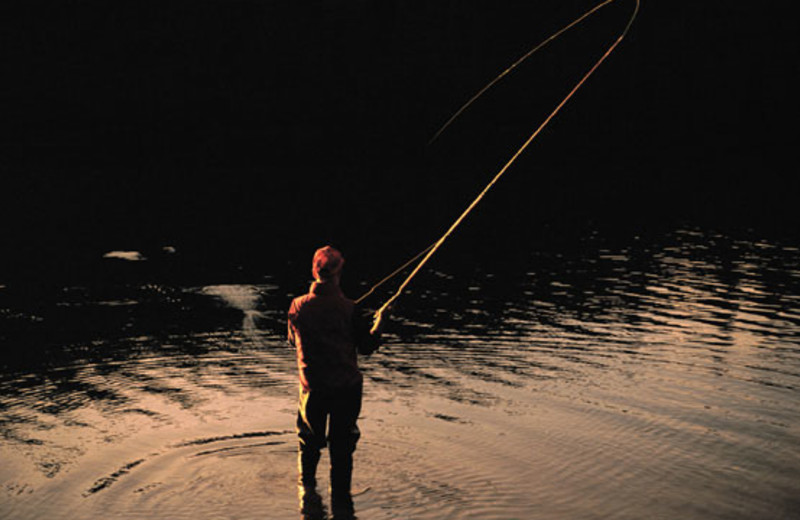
[(311, 418), (343, 437)]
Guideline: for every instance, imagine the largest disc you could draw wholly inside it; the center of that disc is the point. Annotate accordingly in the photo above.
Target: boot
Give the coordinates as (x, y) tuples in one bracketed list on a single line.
[(311, 506), (341, 480), (307, 460)]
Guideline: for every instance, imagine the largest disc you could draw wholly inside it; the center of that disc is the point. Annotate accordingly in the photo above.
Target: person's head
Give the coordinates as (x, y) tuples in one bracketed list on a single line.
[(327, 264)]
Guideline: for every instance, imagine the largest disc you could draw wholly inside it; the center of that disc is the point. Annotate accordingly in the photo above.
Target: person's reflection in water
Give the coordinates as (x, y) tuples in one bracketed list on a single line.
[(328, 330)]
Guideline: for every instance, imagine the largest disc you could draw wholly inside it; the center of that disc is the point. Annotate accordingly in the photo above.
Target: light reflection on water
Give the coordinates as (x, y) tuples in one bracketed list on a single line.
[(653, 379)]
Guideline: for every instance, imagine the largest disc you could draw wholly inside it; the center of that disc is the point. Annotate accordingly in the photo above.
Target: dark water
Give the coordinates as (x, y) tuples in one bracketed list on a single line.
[(640, 378)]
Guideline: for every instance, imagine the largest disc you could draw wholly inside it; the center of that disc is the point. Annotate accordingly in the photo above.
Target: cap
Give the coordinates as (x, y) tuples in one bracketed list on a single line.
[(327, 263)]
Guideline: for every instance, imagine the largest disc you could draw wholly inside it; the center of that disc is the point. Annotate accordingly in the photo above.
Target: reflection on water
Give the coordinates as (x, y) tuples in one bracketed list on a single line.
[(653, 378)]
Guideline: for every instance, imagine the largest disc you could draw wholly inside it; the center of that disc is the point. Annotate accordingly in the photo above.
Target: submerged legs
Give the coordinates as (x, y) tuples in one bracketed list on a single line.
[(338, 409)]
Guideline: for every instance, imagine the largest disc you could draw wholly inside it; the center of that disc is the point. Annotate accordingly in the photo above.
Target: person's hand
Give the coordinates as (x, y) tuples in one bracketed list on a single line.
[(377, 323)]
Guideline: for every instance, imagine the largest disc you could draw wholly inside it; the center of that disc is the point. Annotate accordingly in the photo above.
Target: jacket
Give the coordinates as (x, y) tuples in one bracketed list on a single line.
[(328, 331)]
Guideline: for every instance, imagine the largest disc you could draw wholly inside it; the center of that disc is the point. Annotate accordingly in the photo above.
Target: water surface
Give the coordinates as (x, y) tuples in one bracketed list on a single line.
[(641, 378)]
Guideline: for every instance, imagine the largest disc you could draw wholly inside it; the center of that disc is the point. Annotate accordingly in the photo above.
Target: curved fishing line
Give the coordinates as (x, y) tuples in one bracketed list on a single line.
[(514, 66), (468, 104), (432, 250)]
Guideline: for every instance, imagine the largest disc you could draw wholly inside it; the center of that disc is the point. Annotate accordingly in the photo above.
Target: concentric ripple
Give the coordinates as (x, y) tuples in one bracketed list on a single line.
[(646, 378)]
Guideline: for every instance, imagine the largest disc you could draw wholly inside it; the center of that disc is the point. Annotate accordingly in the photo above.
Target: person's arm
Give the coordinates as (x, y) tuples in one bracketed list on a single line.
[(290, 329)]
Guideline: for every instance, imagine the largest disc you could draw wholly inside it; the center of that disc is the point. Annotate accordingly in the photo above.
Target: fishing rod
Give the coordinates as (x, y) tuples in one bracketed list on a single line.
[(431, 250), (394, 273)]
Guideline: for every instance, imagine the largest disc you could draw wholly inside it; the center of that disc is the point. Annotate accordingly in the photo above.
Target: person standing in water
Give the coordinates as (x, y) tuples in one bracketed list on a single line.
[(328, 332)]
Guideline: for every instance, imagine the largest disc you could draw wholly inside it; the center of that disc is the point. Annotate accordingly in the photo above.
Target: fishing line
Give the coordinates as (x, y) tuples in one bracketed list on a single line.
[(432, 249), (514, 66), (394, 273)]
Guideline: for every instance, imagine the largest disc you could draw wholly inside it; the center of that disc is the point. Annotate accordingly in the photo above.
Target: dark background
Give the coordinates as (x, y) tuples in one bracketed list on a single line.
[(254, 131)]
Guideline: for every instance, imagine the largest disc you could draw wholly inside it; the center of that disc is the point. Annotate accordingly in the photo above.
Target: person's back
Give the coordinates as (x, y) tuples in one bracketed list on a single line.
[(322, 329)]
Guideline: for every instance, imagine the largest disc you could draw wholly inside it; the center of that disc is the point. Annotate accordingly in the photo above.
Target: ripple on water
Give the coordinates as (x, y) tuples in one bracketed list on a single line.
[(651, 380)]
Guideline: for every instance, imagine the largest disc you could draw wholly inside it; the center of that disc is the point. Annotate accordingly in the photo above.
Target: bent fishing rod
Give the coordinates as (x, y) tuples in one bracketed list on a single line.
[(431, 250)]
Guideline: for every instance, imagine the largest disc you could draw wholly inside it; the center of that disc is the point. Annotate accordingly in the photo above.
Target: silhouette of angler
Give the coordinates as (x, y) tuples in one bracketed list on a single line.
[(328, 331)]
